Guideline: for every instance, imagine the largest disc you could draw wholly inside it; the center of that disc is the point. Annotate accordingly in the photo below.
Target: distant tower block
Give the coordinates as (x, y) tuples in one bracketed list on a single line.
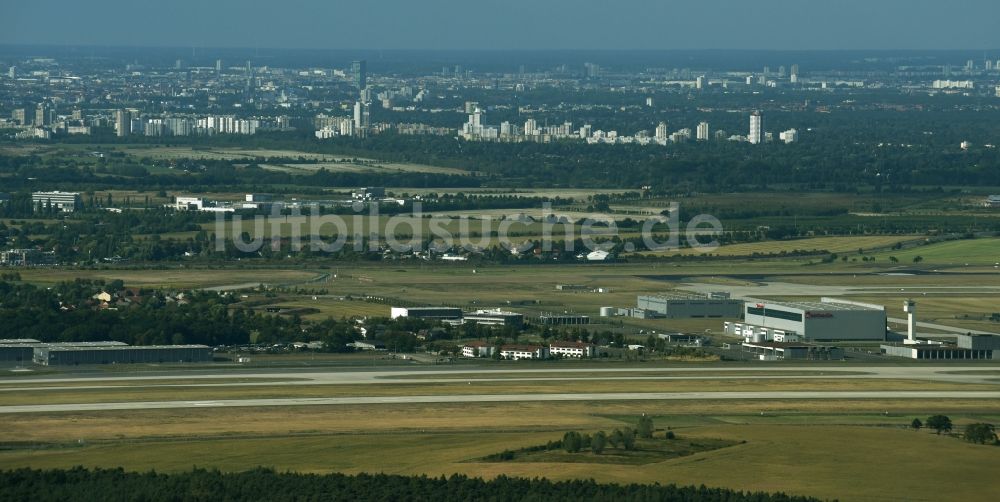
[(910, 307)]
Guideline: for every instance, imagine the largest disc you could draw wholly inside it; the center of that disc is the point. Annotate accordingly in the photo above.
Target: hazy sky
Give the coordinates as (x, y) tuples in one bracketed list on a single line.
[(508, 24)]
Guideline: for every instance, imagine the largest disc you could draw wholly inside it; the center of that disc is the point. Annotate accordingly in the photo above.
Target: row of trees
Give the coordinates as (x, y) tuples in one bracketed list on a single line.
[(267, 485)]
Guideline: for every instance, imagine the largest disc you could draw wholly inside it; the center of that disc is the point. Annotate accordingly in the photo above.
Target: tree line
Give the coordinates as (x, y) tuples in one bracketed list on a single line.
[(269, 485)]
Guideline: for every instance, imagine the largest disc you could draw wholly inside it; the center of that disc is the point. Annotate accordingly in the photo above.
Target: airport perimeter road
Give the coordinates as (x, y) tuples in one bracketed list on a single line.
[(498, 398)]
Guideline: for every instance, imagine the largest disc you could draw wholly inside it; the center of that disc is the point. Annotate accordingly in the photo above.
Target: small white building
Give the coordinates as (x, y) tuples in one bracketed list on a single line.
[(518, 352), (578, 350), (478, 349), (189, 204)]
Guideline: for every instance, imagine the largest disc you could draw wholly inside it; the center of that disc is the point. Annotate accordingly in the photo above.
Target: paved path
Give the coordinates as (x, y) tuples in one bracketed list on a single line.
[(497, 398)]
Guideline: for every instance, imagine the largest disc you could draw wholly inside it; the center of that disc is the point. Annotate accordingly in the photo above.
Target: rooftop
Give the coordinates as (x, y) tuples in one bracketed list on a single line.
[(69, 348), (572, 345), (687, 295), (521, 348), (812, 306)]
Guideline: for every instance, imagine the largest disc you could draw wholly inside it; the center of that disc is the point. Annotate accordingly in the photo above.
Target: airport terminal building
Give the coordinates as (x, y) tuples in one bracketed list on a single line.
[(828, 319)]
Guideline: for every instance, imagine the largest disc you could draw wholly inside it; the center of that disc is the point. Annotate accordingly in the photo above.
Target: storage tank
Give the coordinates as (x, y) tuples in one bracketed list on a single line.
[(607, 311)]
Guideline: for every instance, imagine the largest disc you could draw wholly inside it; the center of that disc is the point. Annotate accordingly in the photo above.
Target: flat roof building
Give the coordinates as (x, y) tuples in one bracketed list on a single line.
[(61, 355), (518, 352), (978, 342), (678, 305), (495, 317), (775, 351), (66, 202), (426, 312), (572, 349), (563, 319), (936, 352), (16, 352), (828, 319), (478, 349)]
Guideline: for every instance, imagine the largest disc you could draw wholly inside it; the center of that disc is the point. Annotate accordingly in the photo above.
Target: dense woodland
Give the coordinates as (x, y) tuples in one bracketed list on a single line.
[(268, 485), (68, 313)]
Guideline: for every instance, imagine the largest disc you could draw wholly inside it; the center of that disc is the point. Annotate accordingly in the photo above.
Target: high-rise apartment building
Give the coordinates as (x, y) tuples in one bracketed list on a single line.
[(362, 118), (123, 123), (42, 115), (756, 135), (661, 132), (702, 131), (20, 115)]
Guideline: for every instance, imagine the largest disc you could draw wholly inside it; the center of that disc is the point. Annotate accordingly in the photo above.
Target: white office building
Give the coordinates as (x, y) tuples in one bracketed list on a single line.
[(66, 202), (518, 352), (577, 350)]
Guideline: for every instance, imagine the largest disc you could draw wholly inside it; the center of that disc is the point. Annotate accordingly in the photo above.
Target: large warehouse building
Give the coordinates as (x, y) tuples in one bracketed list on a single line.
[(16, 353), (55, 354), (689, 305), (828, 319)]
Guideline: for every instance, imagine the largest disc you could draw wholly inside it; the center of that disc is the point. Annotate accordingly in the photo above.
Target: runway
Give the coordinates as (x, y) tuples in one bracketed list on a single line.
[(500, 398), (940, 373), (216, 377)]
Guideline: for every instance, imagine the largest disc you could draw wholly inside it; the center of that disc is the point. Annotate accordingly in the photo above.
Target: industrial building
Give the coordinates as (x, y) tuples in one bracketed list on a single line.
[(691, 305), (828, 319), (775, 351), (936, 352), (56, 354), (978, 342), (16, 353), (563, 319), (495, 317), (66, 202), (27, 257), (438, 313)]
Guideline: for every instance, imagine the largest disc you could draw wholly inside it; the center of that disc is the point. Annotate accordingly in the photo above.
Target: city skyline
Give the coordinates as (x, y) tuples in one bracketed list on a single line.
[(520, 25)]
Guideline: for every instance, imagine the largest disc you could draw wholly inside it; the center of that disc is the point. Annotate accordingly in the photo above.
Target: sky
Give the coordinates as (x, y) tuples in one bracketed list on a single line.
[(507, 24)]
